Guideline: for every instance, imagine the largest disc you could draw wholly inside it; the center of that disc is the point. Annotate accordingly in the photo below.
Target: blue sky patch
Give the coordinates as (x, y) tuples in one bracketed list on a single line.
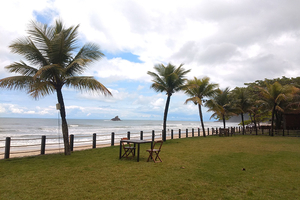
[(44, 17), (124, 55)]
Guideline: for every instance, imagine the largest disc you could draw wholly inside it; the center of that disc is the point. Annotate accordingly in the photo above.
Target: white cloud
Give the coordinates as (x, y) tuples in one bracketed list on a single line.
[(158, 103), (140, 87), (2, 109)]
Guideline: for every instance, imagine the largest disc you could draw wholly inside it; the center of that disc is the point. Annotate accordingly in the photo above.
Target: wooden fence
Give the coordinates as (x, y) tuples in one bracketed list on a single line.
[(46, 145)]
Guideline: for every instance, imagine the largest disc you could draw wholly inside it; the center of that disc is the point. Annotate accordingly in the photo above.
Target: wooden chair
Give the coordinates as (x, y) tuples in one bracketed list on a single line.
[(156, 151), (128, 149)]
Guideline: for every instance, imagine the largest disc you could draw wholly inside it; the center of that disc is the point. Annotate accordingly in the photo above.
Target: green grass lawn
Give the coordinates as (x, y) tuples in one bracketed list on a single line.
[(192, 168)]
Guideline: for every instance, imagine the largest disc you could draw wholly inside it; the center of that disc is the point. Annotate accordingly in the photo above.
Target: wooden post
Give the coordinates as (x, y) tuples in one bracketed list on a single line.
[(198, 132), (141, 136), (112, 139), (71, 142), (186, 133), (128, 135), (7, 148), (94, 140), (192, 132), (207, 131), (172, 134), (179, 133), (43, 145), (153, 135)]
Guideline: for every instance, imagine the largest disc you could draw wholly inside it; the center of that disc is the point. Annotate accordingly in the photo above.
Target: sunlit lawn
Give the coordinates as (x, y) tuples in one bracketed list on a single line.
[(192, 168)]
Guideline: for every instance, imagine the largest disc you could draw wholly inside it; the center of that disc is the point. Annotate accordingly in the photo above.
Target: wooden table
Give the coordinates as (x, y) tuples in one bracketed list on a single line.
[(138, 142)]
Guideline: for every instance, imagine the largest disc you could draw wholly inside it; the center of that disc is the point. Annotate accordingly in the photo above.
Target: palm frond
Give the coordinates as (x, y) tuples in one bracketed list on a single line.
[(28, 49), (195, 100), (17, 82), (85, 83), (41, 88), (49, 72), (41, 34), (21, 68), (87, 54)]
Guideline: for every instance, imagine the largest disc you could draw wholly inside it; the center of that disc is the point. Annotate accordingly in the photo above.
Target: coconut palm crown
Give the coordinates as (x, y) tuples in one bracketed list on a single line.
[(198, 89), (52, 65), (220, 105), (273, 95), (168, 79), (241, 102)]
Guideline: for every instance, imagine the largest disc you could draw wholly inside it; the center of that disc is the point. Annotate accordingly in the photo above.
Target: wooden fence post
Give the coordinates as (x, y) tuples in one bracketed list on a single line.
[(112, 139), (192, 132), (172, 134), (43, 145), (186, 133), (198, 132), (153, 135), (141, 136), (128, 135), (207, 131), (7, 148), (71, 142), (94, 140), (179, 133)]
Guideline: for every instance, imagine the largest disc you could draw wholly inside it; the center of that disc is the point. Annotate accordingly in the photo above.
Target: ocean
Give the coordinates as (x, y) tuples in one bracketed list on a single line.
[(28, 131)]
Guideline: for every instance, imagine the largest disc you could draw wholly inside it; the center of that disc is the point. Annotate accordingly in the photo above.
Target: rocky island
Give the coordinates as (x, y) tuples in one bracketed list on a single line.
[(116, 118)]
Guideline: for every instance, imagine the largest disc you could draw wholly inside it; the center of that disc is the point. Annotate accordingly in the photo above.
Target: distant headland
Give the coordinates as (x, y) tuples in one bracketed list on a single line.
[(116, 118)]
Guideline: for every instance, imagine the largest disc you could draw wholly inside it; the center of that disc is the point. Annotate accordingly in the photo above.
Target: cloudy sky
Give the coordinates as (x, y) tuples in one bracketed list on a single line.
[(231, 41)]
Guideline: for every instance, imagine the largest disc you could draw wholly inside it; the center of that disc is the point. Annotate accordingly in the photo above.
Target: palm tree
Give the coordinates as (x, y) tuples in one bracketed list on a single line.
[(273, 95), (49, 51), (220, 105), (198, 89), (241, 102), (258, 113), (168, 79)]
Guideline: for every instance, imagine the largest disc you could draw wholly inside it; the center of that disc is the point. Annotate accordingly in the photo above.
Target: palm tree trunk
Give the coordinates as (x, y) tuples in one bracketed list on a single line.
[(164, 136), (253, 119), (255, 125), (273, 112), (224, 121), (242, 115), (64, 124), (201, 119)]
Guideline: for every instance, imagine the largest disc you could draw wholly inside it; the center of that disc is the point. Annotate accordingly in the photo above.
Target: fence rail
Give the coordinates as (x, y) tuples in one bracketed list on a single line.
[(46, 145)]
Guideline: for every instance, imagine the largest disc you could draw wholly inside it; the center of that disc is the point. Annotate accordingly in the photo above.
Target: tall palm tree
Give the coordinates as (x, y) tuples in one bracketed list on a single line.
[(241, 102), (273, 95), (49, 50), (168, 79), (198, 89), (220, 105)]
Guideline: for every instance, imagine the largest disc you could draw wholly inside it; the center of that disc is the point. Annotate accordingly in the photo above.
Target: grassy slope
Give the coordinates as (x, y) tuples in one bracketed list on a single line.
[(192, 168)]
